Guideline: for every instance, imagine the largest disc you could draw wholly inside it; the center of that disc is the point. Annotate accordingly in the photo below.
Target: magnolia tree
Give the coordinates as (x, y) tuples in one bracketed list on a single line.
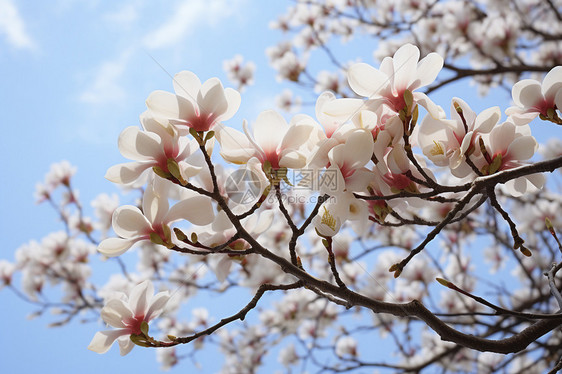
[(385, 233)]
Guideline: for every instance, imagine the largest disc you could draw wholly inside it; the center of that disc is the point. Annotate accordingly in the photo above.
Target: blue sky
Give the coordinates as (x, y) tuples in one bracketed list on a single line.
[(74, 74)]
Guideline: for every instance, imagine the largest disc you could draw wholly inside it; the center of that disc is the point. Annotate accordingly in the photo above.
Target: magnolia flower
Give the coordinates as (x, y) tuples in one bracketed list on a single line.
[(346, 346), (274, 141), (395, 76), (158, 148), (127, 314), (448, 142), (532, 98), (326, 223), (194, 105), (508, 147), (153, 223), (347, 163)]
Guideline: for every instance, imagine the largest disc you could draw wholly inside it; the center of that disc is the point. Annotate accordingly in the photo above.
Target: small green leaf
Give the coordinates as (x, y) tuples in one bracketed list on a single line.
[(144, 328)]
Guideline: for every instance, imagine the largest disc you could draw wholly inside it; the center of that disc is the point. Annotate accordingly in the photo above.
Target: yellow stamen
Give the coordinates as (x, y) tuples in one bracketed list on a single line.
[(328, 219), (437, 149)]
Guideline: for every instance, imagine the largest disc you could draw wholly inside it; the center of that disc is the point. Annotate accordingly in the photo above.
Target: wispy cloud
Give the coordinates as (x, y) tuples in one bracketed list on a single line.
[(105, 86), (12, 26), (189, 16)]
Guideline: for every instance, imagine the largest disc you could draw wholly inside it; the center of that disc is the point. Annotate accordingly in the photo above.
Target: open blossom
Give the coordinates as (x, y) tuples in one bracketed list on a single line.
[(238, 72), (532, 98), (127, 314), (395, 75), (508, 146), (153, 223), (156, 148), (194, 105), (448, 142), (274, 141)]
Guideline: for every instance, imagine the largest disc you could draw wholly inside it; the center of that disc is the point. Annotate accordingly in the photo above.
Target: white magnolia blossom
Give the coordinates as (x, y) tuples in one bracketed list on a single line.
[(127, 313), (153, 222), (532, 98), (194, 105)]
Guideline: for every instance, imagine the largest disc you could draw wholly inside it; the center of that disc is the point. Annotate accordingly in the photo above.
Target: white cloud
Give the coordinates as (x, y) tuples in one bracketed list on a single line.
[(123, 16), (105, 86), (13, 27), (189, 16)]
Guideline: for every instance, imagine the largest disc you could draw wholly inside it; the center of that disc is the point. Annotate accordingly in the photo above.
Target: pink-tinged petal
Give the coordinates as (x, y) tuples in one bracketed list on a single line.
[(552, 82), (139, 145), (103, 340), (235, 146), (269, 129), (140, 296), (430, 130), (427, 70), (127, 173), (365, 80), (366, 119), (292, 159), (211, 98), (233, 99), (526, 93), (125, 346), (197, 210), (112, 247), (324, 98), (157, 305), (522, 148), (187, 84), (405, 61), (433, 109), (128, 222), (487, 119), (155, 203), (501, 137)]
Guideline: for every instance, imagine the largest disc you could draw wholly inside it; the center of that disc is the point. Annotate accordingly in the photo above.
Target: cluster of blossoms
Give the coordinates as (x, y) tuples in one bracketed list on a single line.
[(360, 168), (486, 40)]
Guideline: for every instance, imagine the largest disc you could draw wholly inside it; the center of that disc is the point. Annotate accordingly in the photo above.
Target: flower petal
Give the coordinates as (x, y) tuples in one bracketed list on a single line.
[(233, 99), (269, 129), (103, 340), (197, 210), (127, 173), (487, 119), (522, 148), (427, 70), (187, 84), (405, 61), (526, 93), (365, 80), (112, 247), (140, 296), (157, 305), (552, 82), (128, 222), (139, 145)]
